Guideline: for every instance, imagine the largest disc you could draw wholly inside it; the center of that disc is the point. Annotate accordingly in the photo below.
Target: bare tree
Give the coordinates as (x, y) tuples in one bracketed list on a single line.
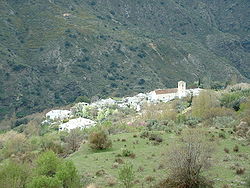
[(74, 139), (188, 159)]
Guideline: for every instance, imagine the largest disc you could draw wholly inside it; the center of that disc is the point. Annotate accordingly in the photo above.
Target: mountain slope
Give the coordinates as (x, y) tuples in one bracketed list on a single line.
[(52, 51)]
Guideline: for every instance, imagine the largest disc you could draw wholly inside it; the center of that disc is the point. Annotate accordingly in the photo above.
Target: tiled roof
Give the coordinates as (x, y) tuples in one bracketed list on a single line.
[(166, 91)]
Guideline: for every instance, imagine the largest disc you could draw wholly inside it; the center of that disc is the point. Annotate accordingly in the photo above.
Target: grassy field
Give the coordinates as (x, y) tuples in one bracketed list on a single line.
[(150, 160)]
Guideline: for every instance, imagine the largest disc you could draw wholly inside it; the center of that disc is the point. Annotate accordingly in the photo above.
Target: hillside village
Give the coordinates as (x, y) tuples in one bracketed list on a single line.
[(148, 137), (124, 94), (135, 102)]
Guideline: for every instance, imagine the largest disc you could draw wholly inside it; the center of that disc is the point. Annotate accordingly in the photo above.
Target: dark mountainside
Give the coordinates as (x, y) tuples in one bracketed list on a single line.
[(53, 51)]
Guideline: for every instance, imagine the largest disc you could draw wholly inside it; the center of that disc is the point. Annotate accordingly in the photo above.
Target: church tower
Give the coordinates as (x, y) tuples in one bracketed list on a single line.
[(181, 89)]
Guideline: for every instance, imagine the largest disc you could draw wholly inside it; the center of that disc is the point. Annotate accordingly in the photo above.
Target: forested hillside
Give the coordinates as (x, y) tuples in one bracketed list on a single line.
[(52, 51)]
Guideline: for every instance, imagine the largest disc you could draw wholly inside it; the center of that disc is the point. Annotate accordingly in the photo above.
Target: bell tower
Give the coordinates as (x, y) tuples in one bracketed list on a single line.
[(181, 88)]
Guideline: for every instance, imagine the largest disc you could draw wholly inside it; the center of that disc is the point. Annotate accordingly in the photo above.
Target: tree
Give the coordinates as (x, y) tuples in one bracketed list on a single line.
[(52, 172), (12, 143), (187, 161), (74, 139), (126, 175), (203, 103), (52, 141), (67, 173), (47, 164), (13, 175), (32, 129), (99, 140), (82, 99)]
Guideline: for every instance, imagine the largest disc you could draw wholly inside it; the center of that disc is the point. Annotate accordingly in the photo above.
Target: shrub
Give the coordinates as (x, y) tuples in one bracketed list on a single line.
[(13, 143), (100, 172), (248, 181), (73, 140), (226, 186), (65, 120), (111, 181), (99, 140), (155, 137), (127, 153), (149, 179), (82, 99), (13, 175), (21, 122), (226, 150), (192, 121), (222, 135), (68, 175), (240, 171), (52, 172), (236, 148), (52, 142), (141, 81), (181, 105), (144, 134), (44, 181), (203, 103), (126, 175), (234, 99), (119, 161), (217, 112), (181, 118), (224, 121), (47, 164), (187, 161)]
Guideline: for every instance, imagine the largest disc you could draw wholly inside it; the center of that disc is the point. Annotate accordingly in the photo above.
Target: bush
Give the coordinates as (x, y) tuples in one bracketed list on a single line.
[(111, 181), (240, 171), (68, 175), (44, 181), (127, 153), (192, 121), (155, 125), (82, 99), (126, 175), (203, 103), (248, 181), (222, 135), (52, 172), (12, 143), (73, 140), (21, 122), (226, 150), (155, 137), (13, 175), (224, 121), (234, 99), (236, 148), (47, 164), (52, 142), (188, 160), (99, 140)]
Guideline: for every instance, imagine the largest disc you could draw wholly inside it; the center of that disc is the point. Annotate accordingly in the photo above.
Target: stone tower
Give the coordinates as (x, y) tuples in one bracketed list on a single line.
[(181, 89)]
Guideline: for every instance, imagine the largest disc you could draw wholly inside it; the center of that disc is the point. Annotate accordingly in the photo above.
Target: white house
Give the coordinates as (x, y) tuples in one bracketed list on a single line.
[(103, 102), (81, 123), (58, 115)]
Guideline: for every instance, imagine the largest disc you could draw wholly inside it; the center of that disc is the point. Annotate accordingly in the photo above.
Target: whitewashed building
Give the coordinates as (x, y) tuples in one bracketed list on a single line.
[(169, 94), (58, 115), (81, 123)]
